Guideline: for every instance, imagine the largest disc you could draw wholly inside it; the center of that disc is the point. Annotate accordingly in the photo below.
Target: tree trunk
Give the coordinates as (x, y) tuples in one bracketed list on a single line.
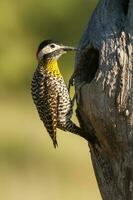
[(104, 84)]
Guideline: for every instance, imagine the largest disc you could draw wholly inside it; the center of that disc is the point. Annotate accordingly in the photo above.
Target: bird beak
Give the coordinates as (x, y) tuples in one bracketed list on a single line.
[(68, 48)]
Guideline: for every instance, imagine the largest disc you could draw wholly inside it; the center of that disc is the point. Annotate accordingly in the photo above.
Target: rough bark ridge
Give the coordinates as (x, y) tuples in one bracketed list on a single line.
[(105, 107)]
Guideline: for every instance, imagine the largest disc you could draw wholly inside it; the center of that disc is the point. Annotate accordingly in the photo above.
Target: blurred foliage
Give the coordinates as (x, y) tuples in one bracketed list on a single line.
[(24, 24), (30, 168)]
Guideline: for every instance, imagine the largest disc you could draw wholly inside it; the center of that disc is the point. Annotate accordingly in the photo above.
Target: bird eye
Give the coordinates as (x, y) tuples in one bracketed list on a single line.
[(52, 46)]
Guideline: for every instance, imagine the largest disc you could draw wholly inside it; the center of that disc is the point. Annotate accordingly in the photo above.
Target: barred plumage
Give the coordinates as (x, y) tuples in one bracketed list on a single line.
[(50, 94)]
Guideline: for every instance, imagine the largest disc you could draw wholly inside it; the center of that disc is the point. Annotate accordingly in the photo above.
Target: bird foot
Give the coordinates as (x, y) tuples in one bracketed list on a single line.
[(71, 82)]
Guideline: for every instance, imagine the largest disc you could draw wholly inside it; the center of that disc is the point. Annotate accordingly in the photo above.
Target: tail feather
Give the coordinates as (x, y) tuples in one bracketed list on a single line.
[(55, 143)]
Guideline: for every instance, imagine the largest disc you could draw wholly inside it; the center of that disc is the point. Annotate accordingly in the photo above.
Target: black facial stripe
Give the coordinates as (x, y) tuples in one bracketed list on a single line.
[(52, 45)]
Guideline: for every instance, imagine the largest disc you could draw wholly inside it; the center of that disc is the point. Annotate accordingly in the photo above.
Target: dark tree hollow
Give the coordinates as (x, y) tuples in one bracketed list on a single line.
[(105, 103)]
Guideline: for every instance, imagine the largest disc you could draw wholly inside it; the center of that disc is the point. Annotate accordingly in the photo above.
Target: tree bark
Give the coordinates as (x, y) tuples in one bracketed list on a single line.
[(104, 84)]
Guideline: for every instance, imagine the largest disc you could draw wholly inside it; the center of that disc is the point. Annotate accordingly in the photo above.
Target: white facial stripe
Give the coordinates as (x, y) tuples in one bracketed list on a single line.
[(48, 49)]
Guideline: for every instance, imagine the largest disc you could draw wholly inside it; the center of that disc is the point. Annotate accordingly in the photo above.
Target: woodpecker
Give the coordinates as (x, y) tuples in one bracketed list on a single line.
[(49, 90)]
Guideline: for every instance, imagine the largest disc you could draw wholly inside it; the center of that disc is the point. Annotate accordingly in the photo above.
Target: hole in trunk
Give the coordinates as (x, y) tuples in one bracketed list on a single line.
[(90, 64), (125, 6)]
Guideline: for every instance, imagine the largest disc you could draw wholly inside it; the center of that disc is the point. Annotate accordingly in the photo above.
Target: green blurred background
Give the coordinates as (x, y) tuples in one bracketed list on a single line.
[(30, 168)]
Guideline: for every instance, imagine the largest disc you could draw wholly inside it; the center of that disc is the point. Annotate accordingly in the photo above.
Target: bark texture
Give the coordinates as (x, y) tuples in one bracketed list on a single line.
[(104, 84)]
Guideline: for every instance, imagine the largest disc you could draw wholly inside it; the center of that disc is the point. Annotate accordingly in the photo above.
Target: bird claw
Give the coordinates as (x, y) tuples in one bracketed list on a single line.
[(77, 94), (71, 83)]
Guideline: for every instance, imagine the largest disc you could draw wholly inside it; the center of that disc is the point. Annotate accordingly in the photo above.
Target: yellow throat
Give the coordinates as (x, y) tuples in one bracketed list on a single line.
[(52, 67)]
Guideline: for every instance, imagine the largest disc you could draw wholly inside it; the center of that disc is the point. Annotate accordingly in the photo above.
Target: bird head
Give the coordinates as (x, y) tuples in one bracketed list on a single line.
[(49, 50)]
